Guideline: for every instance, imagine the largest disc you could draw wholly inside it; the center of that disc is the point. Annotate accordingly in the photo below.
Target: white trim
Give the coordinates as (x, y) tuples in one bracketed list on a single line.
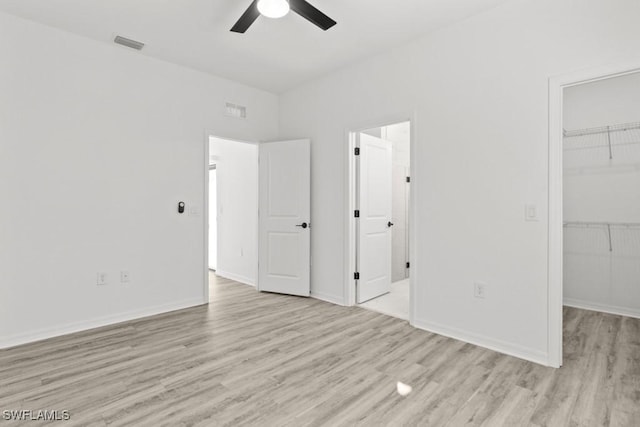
[(256, 270), (237, 277), (212, 134), (350, 225), (504, 347), (555, 249), (349, 289), (414, 172), (604, 308), (333, 299), (205, 219), (557, 84), (69, 328)]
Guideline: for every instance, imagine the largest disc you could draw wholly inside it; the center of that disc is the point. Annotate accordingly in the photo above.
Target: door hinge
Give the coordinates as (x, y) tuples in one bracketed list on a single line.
[(408, 179), (408, 265), (356, 151), (356, 213), (356, 276)]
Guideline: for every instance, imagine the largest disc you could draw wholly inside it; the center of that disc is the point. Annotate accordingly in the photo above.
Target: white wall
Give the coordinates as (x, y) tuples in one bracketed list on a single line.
[(97, 146), (237, 166), (602, 190), (479, 90)]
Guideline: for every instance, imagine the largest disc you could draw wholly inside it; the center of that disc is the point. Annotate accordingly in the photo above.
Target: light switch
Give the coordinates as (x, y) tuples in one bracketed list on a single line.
[(531, 213)]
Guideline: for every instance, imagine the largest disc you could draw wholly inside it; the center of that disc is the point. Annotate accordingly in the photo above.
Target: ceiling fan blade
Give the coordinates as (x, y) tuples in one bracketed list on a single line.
[(247, 18), (310, 13)]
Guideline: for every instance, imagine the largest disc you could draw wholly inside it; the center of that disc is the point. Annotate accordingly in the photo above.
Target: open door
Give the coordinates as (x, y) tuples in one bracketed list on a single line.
[(285, 211), (375, 205)]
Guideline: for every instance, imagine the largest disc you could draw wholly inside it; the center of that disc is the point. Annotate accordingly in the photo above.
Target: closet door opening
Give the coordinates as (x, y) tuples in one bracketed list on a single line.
[(382, 189), (601, 207)]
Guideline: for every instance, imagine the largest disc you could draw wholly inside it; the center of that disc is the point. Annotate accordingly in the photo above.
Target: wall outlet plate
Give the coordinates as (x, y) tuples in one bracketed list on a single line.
[(479, 290), (102, 279), (125, 277)]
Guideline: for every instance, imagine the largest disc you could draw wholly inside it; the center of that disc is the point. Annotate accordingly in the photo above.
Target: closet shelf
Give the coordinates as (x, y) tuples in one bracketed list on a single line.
[(606, 225), (602, 224), (603, 136), (601, 130)]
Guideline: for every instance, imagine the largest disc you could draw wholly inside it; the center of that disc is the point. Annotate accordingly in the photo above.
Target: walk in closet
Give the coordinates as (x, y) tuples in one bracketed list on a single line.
[(602, 196)]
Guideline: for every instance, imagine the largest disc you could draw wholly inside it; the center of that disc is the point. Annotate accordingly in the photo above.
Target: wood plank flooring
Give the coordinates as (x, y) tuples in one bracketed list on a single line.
[(271, 360)]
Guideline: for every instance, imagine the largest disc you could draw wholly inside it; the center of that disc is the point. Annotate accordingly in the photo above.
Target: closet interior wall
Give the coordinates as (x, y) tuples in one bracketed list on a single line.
[(602, 195)]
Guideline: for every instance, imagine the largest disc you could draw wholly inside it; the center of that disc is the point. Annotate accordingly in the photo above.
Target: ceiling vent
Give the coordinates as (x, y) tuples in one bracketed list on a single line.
[(235, 111), (128, 43)]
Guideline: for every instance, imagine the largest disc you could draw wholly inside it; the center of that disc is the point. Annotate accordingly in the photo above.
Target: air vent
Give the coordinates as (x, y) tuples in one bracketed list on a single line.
[(128, 43), (236, 111)]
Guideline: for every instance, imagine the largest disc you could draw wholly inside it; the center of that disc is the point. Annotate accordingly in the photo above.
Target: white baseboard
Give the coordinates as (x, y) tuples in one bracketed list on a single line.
[(69, 328), (605, 308), (236, 277), (328, 298), (507, 348)]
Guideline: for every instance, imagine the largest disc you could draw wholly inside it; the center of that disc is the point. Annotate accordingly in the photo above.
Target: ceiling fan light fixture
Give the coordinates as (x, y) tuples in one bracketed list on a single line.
[(273, 8)]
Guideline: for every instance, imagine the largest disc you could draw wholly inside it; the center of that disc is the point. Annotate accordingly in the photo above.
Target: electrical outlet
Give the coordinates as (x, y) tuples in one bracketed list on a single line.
[(102, 279), (125, 277), (479, 290)]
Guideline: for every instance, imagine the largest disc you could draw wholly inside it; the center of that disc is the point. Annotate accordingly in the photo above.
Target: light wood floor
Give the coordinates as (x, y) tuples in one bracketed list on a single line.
[(271, 360)]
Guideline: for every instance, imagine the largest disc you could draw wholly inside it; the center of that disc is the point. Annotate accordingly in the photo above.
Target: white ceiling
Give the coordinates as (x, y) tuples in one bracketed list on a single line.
[(274, 55)]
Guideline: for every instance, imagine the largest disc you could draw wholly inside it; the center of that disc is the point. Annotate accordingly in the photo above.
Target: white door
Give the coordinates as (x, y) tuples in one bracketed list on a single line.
[(285, 217), (375, 205)]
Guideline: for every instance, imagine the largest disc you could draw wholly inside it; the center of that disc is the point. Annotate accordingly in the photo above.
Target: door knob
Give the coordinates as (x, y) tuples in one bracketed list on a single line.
[(389, 224), (303, 225)]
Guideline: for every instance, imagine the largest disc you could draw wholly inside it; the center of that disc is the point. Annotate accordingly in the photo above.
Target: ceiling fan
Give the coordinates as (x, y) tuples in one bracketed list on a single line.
[(278, 9)]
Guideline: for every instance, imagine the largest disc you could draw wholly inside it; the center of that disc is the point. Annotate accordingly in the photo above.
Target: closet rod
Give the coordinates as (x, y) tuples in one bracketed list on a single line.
[(603, 129)]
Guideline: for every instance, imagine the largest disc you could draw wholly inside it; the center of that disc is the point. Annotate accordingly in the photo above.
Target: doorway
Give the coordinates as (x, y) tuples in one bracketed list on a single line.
[(601, 146), (381, 186), (233, 209), (270, 251), (594, 204)]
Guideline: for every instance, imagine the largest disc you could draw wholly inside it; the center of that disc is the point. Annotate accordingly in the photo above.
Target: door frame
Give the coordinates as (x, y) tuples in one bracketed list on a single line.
[(207, 223), (557, 84), (205, 207), (350, 202)]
